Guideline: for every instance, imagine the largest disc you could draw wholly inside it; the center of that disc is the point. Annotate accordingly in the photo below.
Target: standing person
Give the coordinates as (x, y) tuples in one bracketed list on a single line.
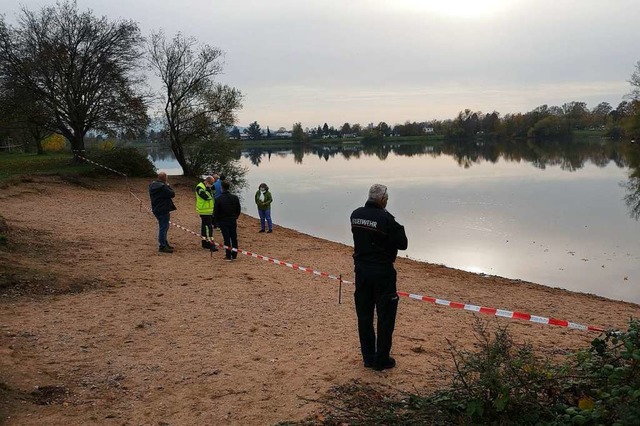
[(226, 215), (377, 237), (218, 185), (204, 206), (263, 201), (161, 195)]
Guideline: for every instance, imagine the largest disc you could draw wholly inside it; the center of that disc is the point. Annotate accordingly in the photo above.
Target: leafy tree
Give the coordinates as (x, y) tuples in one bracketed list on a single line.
[(81, 69), (196, 108), (345, 129), (253, 131), (383, 128), (22, 118), (635, 82), (372, 135), (268, 133), (576, 113), (235, 133), (550, 127), (297, 134), (356, 129), (601, 112), (325, 129)]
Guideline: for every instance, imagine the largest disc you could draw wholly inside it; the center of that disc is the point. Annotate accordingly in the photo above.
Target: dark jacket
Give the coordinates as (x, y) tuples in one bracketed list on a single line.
[(227, 207), (377, 236), (161, 195)]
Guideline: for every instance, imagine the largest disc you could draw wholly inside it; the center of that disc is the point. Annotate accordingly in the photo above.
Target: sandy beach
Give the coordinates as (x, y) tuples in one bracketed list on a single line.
[(97, 327)]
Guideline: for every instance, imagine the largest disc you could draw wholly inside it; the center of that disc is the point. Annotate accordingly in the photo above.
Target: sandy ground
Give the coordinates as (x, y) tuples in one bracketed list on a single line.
[(98, 327)]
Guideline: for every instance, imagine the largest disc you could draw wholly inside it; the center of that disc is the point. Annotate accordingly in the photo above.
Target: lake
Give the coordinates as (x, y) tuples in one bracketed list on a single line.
[(551, 213)]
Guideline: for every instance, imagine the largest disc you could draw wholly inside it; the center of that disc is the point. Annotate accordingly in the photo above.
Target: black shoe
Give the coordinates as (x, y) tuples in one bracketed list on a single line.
[(170, 246), (228, 259), (386, 365), (165, 249), (260, 231), (269, 231), (368, 365)]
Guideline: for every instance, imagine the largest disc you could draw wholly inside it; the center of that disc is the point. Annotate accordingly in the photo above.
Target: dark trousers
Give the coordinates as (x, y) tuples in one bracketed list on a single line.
[(375, 290), (206, 229), (229, 229), (163, 228)]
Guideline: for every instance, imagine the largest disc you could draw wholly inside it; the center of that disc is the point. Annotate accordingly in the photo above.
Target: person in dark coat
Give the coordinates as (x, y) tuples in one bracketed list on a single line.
[(377, 237), (226, 213), (161, 195)]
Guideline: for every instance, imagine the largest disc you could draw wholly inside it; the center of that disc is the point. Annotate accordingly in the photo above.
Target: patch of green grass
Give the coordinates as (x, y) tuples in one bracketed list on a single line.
[(13, 165)]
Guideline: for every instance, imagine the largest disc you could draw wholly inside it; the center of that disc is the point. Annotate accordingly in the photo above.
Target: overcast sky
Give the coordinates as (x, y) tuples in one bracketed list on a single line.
[(362, 61)]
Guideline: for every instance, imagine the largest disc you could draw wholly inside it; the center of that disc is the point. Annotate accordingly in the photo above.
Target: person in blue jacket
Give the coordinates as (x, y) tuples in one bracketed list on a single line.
[(161, 195)]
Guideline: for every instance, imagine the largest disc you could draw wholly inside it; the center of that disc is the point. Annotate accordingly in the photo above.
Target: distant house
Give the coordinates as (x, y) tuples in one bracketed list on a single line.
[(282, 135), (428, 130)]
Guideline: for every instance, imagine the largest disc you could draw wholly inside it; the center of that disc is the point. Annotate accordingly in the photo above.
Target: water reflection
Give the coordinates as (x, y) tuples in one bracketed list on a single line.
[(570, 156), (632, 186)]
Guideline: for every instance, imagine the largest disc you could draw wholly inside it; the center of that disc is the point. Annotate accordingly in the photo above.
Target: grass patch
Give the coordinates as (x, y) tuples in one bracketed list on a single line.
[(12, 166)]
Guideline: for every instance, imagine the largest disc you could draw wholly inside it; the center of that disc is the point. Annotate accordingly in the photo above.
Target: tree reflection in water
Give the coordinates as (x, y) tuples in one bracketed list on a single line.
[(632, 186), (568, 155)]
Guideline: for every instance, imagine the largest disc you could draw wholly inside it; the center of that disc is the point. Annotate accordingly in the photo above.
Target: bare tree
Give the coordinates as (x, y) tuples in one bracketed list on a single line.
[(196, 108), (82, 69)]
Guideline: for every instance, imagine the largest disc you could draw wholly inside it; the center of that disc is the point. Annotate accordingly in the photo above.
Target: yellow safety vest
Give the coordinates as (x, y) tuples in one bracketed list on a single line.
[(203, 207)]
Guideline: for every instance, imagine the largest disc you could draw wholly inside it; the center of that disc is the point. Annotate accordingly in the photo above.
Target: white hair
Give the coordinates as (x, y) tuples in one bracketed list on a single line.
[(377, 192)]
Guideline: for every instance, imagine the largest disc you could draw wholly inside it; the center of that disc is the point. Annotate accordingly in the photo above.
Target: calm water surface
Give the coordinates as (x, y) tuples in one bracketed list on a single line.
[(563, 223)]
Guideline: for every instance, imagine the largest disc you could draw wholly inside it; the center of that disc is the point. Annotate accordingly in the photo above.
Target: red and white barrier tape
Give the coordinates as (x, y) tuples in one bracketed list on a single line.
[(99, 165), (456, 305), (502, 313)]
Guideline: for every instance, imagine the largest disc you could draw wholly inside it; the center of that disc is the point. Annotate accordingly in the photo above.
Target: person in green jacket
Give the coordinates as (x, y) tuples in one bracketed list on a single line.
[(204, 207), (263, 201)]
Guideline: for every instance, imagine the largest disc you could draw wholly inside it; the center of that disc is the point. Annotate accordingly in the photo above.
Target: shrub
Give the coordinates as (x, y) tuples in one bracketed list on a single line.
[(106, 145), (127, 160), (54, 143), (505, 383)]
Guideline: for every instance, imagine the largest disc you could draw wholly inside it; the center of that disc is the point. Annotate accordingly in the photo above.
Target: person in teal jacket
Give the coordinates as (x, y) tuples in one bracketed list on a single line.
[(263, 201)]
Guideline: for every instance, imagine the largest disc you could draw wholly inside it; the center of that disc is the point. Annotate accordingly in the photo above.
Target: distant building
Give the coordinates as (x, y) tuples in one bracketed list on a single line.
[(282, 135)]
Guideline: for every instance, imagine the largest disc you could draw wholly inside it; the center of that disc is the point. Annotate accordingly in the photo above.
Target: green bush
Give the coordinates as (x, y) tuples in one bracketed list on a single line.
[(127, 160), (504, 383)]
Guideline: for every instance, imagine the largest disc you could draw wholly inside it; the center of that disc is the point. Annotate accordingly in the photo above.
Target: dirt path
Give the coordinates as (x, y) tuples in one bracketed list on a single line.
[(98, 327)]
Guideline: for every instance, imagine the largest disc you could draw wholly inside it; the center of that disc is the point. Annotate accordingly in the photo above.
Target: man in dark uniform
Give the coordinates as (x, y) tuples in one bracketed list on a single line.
[(377, 237), (226, 213)]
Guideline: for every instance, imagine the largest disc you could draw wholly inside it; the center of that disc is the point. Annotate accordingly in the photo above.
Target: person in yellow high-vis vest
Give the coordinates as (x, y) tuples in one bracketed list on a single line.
[(204, 206)]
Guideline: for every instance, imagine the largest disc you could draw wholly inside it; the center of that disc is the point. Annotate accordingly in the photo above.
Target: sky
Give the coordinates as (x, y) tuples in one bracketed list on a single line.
[(367, 61)]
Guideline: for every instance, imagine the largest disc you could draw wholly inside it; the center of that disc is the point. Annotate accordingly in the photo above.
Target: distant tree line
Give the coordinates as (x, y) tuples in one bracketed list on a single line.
[(543, 122)]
